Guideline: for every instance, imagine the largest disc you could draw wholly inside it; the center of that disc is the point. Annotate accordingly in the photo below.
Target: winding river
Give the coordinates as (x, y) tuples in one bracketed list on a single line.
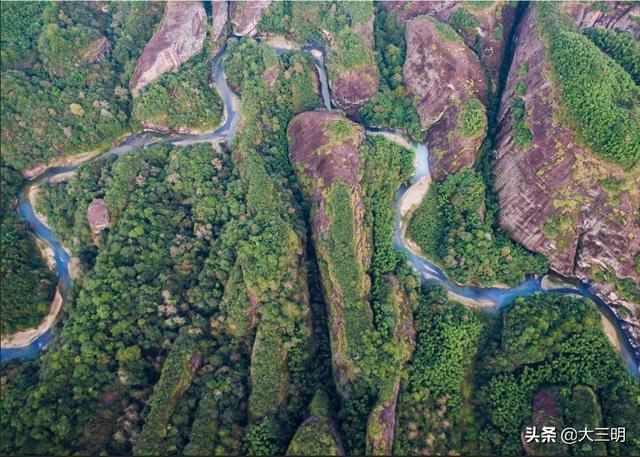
[(41, 337), (491, 299)]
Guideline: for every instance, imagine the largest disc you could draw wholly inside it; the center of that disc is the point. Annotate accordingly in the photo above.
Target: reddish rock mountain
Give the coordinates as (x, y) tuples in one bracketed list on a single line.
[(488, 25), (444, 73), (610, 15), (323, 148), (552, 193), (245, 16), (181, 36), (351, 89)]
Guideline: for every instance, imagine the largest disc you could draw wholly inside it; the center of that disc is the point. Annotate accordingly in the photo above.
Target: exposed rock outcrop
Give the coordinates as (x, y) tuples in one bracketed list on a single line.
[(181, 36), (324, 150), (610, 15), (553, 194), (220, 17), (98, 215), (486, 25), (97, 51), (445, 74), (351, 89), (245, 16)]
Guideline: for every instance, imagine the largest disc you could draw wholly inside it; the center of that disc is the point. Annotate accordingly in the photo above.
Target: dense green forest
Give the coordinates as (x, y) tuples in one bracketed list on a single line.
[(463, 239), (553, 341), (247, 297), (64, 91), (70, 93), (602, 100)]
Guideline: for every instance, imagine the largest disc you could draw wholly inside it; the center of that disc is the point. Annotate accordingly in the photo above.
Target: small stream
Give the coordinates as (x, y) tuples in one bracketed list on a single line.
[(492, 299)]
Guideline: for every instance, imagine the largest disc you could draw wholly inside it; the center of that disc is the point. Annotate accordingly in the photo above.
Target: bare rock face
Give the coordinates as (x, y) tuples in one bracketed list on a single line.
[(245, 16), (444, 73), (181, 36), (353, 88), (492, 24), (323, 148), (35, 171), (610, 15), (98, 215), (552, 193), (97, 51), (220, 16)]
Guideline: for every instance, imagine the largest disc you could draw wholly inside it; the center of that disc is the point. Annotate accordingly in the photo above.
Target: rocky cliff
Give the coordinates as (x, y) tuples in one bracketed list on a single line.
[(323, 148), (353, 82), (245, 16), (449, 80), (181, 36), (219, 19), (483, 26), (610, 15), (557, 197)]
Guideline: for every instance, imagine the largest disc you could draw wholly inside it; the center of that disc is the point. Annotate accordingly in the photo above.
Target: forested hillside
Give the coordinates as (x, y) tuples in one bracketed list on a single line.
[(304, 228)]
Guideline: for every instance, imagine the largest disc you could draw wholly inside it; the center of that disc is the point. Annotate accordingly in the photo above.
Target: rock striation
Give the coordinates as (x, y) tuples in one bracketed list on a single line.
[(245, 16), (552, 193), (219, 20), (181, 36), (444, 73), (616, 15), (490, 23)]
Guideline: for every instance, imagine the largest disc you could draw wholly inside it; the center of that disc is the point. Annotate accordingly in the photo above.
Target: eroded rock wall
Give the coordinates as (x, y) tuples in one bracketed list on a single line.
[(444, 73), (552, 193), (181, 36)]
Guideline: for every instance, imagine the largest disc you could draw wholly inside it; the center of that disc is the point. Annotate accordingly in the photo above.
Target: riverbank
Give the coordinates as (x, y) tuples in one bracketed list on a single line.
[(26, 337)]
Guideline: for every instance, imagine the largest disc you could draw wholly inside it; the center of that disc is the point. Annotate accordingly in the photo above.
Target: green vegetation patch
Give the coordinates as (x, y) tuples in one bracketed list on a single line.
[(352, 52), (73, 95), (431, 404), (463, 21), (451, 227), (392, 106), (176, 376), (602, 101), (621, 46), (182, 101), (473, 119), (558, 341), (521, 128)]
